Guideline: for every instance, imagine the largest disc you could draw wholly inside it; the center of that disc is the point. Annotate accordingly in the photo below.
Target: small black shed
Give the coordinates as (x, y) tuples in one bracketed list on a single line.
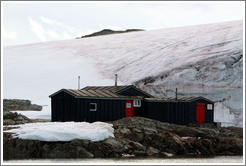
[(181, 110), (97, 103)]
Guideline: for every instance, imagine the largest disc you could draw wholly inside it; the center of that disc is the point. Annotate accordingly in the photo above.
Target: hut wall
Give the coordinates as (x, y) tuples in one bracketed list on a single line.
[(192, 112), (209, 114), (141, 111), (180, 113), (177, 112), (155, 110), (107, 110), (63, 107)]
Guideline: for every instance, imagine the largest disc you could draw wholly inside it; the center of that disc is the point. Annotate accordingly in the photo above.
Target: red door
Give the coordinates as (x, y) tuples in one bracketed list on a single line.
[(129, 108), (200, 112)]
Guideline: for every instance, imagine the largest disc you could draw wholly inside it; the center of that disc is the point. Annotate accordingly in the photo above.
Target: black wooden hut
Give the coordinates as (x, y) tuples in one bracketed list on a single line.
[(98, 103), (181, 111), (108, 103)]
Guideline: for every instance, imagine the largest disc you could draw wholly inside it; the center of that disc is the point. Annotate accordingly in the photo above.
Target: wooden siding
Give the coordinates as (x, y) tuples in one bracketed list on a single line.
[(107, 110), (141, 111), (180, 113), (176, 113), (63, 107), (68, 108)]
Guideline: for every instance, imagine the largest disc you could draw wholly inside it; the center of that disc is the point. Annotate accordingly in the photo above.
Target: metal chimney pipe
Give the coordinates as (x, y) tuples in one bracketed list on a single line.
[(176, 94), (115, 81), (78, 82)]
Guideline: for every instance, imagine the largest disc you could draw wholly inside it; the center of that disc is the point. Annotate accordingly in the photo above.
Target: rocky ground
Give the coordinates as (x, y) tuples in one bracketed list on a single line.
[(10, 118), (13, 118), (135, 137)]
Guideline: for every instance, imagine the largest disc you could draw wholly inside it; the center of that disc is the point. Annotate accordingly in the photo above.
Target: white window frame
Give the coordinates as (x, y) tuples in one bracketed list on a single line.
[(209, 106), (137, 103), (95, 107)]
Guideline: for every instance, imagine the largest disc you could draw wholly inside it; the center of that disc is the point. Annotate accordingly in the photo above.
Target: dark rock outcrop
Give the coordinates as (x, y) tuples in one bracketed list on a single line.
[(135, 137), (10, 118), (109, 32), (19, 105)]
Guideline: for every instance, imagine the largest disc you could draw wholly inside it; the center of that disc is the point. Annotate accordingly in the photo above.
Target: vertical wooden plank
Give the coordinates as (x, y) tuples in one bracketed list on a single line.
[(122, 108), (165, 112), (106, 111), (182, 112), (85, 110), (170, 113), (53, 109), (117, 111), (186, 113), (78, 111), (114, 110), (99, 111), (110, 106)]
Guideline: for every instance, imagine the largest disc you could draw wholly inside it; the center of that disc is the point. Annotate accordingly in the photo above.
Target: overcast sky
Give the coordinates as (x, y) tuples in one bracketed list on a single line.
[(32, 22)]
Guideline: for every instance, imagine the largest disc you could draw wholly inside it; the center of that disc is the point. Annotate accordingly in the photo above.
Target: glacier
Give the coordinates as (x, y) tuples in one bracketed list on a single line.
[(202, 60)]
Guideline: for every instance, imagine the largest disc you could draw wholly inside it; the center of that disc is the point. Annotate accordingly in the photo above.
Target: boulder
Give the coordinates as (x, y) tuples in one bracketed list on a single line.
[(152, 152), (66, 150), (117, 145), (229, 146), (137, 146)]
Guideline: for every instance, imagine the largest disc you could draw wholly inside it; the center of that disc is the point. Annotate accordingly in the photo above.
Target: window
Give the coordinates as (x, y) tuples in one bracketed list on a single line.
[(93, 106), (209, 106), (137, 103), (128, 105)]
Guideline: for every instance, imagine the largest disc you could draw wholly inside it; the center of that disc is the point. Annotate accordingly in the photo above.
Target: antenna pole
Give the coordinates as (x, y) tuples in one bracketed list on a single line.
[(115, 82), (176, 94), (78, 82)]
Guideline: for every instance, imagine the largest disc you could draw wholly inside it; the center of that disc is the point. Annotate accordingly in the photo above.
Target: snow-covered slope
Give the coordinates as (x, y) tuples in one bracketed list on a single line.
[(202, 60)]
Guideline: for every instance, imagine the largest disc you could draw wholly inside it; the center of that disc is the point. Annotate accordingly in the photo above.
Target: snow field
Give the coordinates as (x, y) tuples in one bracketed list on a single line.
[(64, 131)]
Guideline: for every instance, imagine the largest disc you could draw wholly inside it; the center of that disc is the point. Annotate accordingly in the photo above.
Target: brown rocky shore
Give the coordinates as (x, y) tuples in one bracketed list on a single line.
[(134, 137)]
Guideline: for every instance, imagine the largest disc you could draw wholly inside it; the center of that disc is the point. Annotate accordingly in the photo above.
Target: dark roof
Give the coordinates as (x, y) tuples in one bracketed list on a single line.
[(101, 92), (113, 92), (181, 99), (106, 88)]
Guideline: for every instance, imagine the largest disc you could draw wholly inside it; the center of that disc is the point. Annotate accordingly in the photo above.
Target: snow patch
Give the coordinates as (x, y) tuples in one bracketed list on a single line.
[(64, 131)]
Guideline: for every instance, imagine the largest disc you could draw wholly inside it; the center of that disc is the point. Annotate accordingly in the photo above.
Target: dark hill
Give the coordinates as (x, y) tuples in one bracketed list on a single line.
[(109, 32)]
